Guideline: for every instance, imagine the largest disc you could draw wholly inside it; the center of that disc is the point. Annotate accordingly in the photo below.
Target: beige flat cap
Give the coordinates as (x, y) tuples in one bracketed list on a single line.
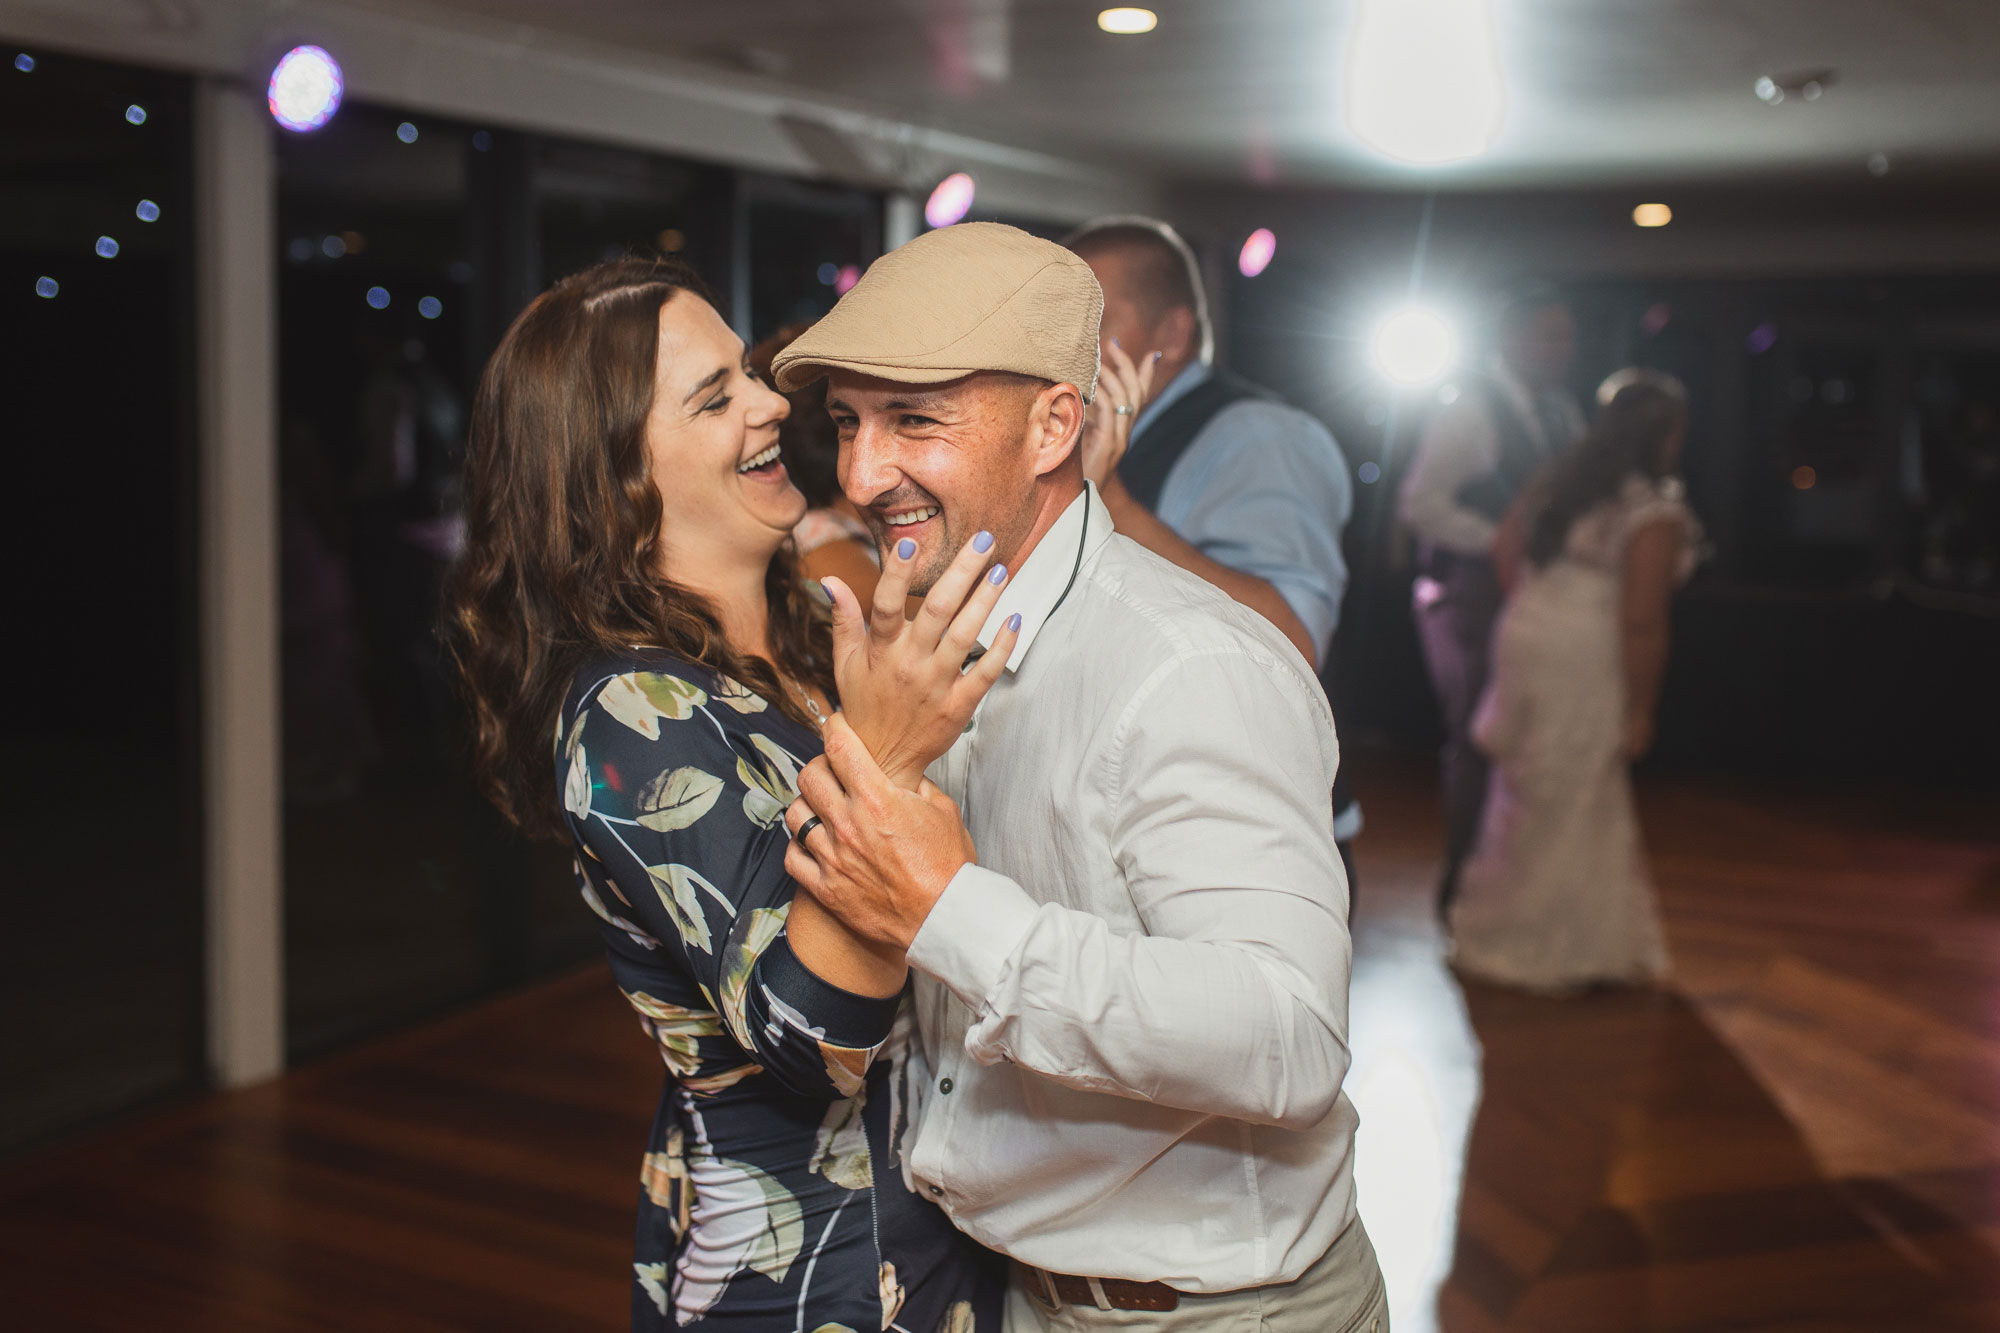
[(977, 296)]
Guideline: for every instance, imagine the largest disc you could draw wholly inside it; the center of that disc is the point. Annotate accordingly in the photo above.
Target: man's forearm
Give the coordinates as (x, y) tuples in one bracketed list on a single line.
[(1139, 523), (1222, 1028)]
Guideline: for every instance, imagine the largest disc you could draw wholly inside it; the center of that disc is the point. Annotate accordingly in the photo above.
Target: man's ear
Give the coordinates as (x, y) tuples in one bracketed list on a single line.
[(1178, 336), (1054, 424)]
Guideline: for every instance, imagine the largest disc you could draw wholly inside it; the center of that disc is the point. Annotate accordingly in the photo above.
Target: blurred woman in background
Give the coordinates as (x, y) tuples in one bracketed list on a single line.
[(1557, 896), (628, 596)]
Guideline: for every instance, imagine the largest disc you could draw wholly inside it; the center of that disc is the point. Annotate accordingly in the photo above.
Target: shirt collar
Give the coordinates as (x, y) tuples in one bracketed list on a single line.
[(1192, 374), (1037, 586)]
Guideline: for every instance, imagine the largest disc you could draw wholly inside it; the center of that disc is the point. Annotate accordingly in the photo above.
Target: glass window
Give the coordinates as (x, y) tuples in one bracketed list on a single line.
[(404, 892), (102, 827)]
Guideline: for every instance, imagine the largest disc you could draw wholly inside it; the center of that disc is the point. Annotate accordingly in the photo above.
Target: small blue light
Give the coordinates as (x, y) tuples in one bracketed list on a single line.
[(300, 249), (406, 132), (148, 211), (829, 274), (430, 307), (107, 248), (1369, 474), (378, 297), (482, 141), (46, 288), (135, 114), (1762, 339), (332, 247), (26, 64)]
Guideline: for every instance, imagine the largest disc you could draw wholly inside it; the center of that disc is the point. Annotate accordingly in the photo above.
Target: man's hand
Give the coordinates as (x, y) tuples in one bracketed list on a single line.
[(881, 856), (904, 686), (1121, 384)]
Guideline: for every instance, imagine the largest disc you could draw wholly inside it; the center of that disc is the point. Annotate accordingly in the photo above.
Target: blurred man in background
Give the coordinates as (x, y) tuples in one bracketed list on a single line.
[(1217, 475), (1471, 463)]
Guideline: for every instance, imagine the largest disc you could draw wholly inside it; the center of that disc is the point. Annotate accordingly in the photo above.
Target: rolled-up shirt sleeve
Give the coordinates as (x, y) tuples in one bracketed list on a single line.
[(1265, 490), (1233, 1000), (1457, 446)]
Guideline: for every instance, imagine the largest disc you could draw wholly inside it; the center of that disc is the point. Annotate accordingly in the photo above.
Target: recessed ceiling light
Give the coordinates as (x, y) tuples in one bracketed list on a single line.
[(1807, 85), (1127, 21), (1652, 215)]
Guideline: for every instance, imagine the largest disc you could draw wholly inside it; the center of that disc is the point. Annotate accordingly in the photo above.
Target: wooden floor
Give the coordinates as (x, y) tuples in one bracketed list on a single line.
[(1803, 1134)]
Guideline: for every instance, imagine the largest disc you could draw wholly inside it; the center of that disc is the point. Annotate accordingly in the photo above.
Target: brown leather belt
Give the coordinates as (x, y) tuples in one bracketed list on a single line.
[(1103, 1293)]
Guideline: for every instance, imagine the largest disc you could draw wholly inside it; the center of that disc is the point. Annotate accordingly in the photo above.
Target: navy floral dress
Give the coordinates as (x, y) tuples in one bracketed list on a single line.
[(773, 1190)]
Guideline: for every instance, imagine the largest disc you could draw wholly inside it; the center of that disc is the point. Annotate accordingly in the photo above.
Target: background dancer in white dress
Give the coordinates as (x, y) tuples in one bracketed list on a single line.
[(1557, 896)]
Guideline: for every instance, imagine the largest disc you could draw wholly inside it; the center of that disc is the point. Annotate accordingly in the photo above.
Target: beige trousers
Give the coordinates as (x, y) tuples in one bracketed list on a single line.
[(1341, 1293)]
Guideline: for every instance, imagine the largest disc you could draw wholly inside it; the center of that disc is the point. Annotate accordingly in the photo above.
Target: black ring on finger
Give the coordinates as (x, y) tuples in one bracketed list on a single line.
[(805, 828)]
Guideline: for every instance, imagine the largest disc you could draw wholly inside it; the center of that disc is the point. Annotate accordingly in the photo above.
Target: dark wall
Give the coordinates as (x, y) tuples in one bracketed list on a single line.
[(1842, 349)]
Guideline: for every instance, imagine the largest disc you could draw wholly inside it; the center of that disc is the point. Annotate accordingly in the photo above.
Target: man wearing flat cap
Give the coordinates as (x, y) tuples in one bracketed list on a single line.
[(1134, 999)]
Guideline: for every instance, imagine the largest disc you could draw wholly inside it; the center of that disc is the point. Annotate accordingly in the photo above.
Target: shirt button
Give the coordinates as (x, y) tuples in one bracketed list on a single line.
[(944, 1086)]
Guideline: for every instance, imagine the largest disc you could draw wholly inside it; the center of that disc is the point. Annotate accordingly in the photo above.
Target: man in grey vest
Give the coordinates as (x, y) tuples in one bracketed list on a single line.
[(1469, 466), (1218, 476)]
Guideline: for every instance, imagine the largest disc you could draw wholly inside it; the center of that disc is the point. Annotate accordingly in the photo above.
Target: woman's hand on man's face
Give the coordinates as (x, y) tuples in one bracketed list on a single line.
[(904, 687)]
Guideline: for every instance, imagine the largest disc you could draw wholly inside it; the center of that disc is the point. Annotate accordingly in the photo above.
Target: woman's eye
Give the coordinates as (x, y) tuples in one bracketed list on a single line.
[(716, 404)]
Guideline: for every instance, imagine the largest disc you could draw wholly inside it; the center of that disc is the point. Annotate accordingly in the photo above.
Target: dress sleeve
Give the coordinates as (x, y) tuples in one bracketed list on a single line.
[(1662, 501), (681, 816)]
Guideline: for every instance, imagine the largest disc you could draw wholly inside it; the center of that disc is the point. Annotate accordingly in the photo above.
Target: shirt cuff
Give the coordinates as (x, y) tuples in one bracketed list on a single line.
[(974, 928)]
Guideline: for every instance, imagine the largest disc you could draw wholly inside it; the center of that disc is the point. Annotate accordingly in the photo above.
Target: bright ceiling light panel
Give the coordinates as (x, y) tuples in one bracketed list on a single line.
[(1652, 215), (1257, 252), (1414, 346), (1424, 84), (1127, 21), (305, 88), (950, 201)]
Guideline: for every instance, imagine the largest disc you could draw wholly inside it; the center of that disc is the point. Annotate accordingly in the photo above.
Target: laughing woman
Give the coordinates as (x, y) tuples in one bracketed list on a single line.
[(628, 594)]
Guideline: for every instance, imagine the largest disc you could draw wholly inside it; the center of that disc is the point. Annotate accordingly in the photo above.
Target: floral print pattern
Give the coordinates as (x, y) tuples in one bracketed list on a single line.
[(771, 1194)]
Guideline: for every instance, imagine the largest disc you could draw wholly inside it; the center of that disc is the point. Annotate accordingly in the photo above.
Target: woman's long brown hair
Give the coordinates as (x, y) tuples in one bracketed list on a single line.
[(563, 534), (1628, 437)]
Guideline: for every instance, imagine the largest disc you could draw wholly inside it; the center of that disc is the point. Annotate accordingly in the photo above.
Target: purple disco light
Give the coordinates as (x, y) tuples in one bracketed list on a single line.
[(306, 88)]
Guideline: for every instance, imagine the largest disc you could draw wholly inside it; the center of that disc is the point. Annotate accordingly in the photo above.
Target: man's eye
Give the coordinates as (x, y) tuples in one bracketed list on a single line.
[(913, 420)]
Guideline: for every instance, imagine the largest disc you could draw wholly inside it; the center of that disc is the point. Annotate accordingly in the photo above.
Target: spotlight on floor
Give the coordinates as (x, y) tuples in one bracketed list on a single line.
[(950, 201), (1414, 346), (306, 88)]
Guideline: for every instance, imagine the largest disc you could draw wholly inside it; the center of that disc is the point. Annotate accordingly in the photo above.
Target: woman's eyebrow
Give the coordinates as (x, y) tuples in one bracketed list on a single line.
[(714, 378)]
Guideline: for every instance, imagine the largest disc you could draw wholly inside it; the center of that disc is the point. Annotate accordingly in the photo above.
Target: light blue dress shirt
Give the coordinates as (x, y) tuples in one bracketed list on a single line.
[(1264, 489)]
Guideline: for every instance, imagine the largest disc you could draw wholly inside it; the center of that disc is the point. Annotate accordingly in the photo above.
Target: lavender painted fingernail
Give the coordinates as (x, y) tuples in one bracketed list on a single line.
[(999, 574), (1014, 622), (982, 542), (906, 548)]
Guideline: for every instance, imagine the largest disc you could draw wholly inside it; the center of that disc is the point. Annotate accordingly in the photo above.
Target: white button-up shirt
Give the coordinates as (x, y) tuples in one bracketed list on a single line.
[(1135, 1004), (1461, 444)]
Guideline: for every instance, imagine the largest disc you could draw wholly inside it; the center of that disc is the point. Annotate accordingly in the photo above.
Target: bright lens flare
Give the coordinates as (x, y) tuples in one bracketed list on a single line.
[(1424, 84), (1652, 215), (1413, 347), (305, 89), (1257, 251), (1127, 21), (950, 201)]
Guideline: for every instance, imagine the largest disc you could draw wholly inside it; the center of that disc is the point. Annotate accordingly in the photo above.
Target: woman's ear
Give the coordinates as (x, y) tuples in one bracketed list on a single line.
[(1054, 424)]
